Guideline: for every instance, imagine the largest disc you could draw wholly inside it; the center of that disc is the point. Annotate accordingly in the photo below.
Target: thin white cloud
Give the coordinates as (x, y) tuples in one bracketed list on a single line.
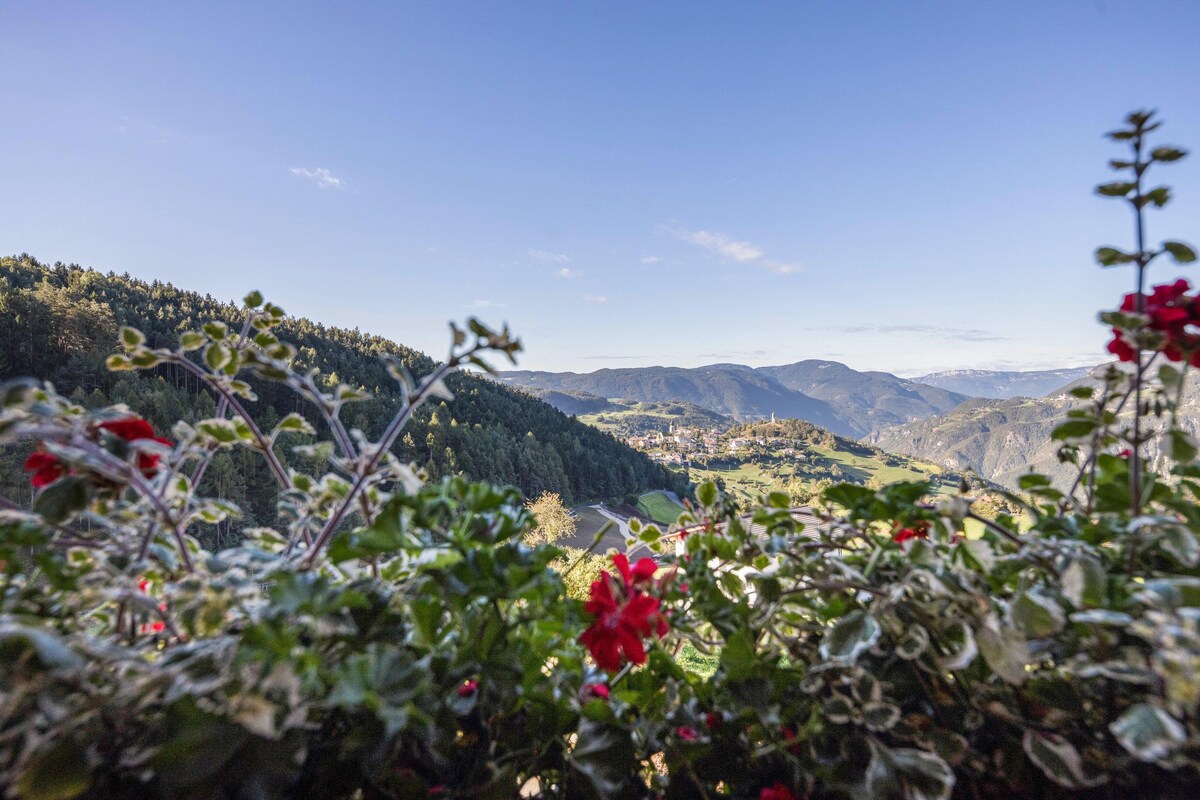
[(479, 305), (320, 176), (733, 250), (595, 298), (780, 268), (651, 260), (723, 245), (567, 272), (547, 256)]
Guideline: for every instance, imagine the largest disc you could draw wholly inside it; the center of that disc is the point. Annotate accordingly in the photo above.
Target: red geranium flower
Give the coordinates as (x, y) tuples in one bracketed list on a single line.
[(1169, 311), (776, 791), (688, 734), (46, 468), (598, 690), (130, 429), (133, 429), (918, 531), (642, 571), (468, 688), (624, 615), (713, 720)]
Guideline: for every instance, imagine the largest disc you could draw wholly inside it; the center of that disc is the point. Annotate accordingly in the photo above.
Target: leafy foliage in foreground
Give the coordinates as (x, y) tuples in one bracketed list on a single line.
[(400, 639)]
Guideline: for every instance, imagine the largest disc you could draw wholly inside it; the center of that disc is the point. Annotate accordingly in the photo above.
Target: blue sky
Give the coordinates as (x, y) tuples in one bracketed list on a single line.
[(898, 186)]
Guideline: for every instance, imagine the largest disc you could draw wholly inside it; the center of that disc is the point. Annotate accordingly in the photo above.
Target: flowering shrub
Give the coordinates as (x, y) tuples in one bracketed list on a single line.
[(397, 638)]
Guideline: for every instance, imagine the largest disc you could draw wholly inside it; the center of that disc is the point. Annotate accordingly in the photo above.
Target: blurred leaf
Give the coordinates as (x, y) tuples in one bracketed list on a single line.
[(57, 773), (1148, 733), (1182, 253), (604, 756), (1037, 615), (1167, 154), (1116, 189), (1058, 759), (850, 636), (63, 498), (1005, 651), (1111, 257)]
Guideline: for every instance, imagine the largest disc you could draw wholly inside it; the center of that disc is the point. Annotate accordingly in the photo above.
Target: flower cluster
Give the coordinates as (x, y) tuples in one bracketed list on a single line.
[(1169, 312), (47, 468), (624, 614)]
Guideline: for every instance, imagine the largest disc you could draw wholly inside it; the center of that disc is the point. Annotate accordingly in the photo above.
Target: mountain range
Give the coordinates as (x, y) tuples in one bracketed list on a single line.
[(1002, 439), (825, 393), (1000, 385)]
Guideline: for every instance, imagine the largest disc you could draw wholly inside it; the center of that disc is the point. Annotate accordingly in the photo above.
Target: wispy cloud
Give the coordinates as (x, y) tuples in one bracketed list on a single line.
[(733, 250), (779, 267), (548, 257), (722, 244), (567, 272), (323, 178), (937, 331), (595, 298), (479, 305), (650, 259)]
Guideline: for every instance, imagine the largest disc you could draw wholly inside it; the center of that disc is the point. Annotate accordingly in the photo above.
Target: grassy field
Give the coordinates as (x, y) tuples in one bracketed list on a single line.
[(659, 508), (756, 474)]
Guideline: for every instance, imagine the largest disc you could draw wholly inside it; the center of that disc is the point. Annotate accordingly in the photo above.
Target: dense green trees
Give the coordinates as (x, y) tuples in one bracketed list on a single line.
[(60, 322)]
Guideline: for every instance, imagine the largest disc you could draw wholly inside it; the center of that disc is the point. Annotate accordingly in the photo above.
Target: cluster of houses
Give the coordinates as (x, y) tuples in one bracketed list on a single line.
[(676, 445)]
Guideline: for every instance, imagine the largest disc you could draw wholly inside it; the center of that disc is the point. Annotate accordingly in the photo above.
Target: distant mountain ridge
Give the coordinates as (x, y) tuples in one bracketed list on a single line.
[(826, 393), (1000, 384), (1002, 439)]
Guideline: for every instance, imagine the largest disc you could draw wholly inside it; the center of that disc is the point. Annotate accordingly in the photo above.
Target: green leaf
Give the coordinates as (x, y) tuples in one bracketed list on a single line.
[(1159, 196), (216, 330), (880, 716), (1111, 257), (47, 646), (926, 775), (191, 340), (1148, 733), (58, 773), (217, 355), (1181, 544), (1037, 615), (914, 642), (1058, 759), (838, 709), (295, 423), (253, 300), (737, 657), (1083, 392), (1074, 429), (848, 495), (1084, 582), (1116, 189), (603, 754), (131, 338), (1182, 253), (706, 493), (1167, 154), (850, 637), (118, 363), (63, 498), (960, 636), (1005, 651)]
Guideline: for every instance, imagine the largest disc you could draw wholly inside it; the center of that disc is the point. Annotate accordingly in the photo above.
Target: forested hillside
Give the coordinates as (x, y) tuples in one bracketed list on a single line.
[(60, 322)]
